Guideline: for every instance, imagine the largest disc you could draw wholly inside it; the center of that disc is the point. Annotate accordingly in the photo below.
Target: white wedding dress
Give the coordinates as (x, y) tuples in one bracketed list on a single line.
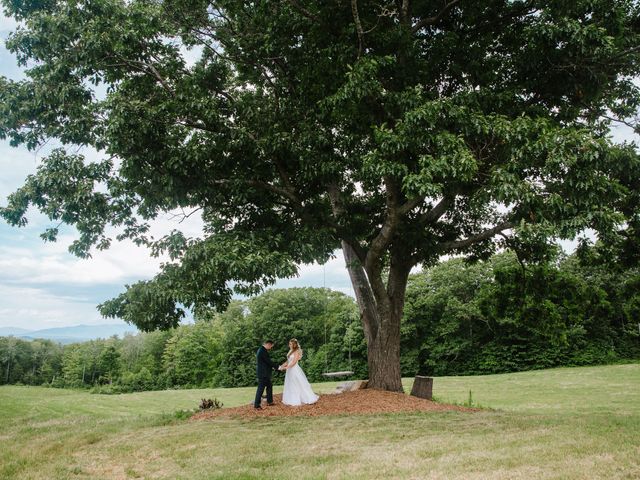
[(297, 390)]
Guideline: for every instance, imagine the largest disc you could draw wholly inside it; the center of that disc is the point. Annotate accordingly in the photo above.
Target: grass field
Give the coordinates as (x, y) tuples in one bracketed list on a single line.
[(578, 423)]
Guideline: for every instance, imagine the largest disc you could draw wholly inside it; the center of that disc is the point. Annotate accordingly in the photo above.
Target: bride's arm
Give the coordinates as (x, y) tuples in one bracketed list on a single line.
[(284, 365), (294, 360)]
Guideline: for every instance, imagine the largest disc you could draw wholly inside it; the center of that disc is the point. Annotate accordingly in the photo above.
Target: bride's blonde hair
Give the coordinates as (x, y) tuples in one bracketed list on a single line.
[(296, 347)]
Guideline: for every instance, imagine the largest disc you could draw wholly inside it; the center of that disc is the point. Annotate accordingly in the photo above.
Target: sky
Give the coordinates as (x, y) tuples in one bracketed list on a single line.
[(42, 285)]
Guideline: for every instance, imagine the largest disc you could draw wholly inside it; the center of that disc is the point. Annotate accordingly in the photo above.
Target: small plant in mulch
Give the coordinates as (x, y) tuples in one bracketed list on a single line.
[(208, 404)]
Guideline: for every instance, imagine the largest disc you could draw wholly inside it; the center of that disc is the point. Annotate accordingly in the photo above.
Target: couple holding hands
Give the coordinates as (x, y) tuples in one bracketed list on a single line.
[(297, 390)]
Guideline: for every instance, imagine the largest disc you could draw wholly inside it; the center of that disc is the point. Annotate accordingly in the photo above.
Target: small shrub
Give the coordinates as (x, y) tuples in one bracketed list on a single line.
[(208, 404)]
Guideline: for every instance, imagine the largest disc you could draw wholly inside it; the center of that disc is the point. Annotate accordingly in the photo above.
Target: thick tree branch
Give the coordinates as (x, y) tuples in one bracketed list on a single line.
[(356, 19), (398, 275), (404, 12), (362, 288), (284, 176), (339, 212), (382, 240), (410, 205), (436, 18), (373, 267), (390, 225), (437, 211), (446, 246)]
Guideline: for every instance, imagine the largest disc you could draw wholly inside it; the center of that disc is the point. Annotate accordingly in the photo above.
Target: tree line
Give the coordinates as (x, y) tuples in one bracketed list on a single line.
[(493, 316), (217, 350)]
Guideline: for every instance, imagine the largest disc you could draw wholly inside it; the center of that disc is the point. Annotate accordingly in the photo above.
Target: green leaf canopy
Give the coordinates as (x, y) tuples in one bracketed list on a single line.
[(404, 130)]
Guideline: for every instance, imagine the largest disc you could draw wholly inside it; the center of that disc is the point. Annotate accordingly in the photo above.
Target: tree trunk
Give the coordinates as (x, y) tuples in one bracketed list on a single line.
[(383, 355), (380, 313)]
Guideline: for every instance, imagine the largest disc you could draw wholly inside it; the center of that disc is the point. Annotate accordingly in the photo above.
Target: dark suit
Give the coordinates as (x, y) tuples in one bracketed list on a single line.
[(264, 368)]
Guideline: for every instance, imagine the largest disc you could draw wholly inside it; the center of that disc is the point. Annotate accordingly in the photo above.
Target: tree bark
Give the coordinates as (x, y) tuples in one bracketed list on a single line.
[(380, 313), (384, 358)]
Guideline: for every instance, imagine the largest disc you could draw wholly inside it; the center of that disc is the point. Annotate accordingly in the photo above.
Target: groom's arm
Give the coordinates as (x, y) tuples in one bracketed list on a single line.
[(264, 357), (273, 364)]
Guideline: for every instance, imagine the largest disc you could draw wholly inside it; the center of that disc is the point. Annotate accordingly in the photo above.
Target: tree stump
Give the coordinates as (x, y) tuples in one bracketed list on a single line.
[(422, 387)]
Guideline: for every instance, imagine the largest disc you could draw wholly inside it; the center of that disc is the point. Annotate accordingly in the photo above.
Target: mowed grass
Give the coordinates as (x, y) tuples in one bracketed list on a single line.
[(573, 423)]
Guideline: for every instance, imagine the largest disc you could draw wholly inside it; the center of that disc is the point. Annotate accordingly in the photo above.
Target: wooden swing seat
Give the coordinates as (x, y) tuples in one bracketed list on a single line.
[(344, 373)]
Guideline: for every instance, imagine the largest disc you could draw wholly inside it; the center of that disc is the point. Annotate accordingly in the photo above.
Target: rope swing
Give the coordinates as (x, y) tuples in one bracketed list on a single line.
[(327, 373)]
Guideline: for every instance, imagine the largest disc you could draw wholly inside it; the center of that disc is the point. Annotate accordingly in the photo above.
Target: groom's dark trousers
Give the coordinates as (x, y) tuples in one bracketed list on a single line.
[(264, 368), (263, 383)]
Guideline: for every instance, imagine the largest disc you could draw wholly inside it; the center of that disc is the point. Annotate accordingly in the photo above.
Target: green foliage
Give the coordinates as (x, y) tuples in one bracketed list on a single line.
[(109, 362), (137, 382), (502, 316), (492, 316), (191, 355), (31, 363)]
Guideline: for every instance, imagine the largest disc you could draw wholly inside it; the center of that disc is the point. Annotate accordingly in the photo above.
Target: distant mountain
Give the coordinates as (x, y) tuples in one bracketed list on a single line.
[(4, 331), (78, 333)]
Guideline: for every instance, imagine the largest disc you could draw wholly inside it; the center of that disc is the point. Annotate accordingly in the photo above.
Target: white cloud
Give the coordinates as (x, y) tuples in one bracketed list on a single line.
[(52, 264), (34, 308)]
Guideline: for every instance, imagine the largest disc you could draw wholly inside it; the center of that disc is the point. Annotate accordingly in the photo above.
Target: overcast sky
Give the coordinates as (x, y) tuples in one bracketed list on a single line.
[(44, 286)]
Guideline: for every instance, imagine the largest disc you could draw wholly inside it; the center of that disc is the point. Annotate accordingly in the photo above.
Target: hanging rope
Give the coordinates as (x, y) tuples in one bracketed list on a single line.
[(324, 292), (327, 373)]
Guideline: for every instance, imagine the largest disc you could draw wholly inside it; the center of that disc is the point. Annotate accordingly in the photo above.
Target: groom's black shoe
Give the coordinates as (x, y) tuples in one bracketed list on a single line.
[(270, 404), (258, 408)]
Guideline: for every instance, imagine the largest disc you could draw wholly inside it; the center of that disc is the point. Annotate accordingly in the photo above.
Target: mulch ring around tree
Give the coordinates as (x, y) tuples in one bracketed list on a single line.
[(365, 401)]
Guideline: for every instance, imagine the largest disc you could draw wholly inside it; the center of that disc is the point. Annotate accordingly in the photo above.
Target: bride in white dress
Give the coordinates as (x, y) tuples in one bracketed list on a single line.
[(297, 390)]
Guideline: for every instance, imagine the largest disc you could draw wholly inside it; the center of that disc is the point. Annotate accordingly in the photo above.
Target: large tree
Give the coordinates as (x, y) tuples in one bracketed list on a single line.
[(398, 131)]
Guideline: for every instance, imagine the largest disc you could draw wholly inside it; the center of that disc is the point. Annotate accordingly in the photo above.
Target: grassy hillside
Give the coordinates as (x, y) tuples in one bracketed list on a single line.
[(562, 423)]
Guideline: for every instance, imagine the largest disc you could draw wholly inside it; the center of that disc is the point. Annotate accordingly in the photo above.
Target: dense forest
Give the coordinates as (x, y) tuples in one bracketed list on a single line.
[(492, 316)]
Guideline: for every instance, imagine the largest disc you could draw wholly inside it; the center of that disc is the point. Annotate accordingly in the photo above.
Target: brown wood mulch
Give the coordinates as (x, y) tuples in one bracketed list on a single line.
[(366, 401)]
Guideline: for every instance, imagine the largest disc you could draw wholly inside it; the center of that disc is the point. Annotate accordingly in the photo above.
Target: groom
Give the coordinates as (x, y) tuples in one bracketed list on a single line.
[(264, 369)]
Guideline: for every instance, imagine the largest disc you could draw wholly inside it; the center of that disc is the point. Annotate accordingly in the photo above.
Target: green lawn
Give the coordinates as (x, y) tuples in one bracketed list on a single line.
[(573, 423)]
